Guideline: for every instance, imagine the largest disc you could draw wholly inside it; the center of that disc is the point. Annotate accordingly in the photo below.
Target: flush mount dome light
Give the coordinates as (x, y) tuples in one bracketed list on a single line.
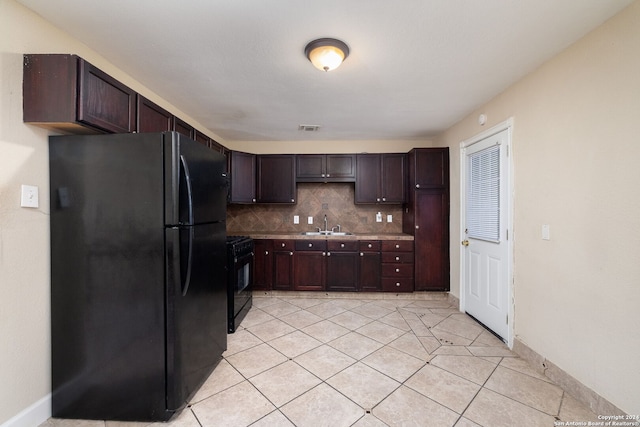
[(326, 54)]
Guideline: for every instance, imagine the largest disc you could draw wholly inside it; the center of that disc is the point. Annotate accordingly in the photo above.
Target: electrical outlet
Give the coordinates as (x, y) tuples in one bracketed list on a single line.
[(389, 218), (296, 219), (29, 196), (310, 220), (379, 217)]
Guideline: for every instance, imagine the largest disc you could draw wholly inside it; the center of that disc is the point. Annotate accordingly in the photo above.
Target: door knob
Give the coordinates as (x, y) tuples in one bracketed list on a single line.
[(465, 243)]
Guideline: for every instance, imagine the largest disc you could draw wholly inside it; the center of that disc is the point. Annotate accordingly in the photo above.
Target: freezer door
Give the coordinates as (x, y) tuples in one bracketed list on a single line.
[(195, 184), (196, 307)]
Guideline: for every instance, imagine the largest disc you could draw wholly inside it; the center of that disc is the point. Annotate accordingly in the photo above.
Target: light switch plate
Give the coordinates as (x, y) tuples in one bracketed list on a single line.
[(546, 232), (389, 218), (29, 196), (296, 219), (310, 220)]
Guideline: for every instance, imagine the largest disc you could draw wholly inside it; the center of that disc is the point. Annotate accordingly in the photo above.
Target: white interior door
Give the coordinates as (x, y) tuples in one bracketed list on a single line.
[(486, 224)]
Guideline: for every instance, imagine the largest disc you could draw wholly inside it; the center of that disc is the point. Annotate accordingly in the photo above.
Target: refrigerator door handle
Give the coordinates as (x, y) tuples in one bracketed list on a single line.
[(187, 177), (187, 279)]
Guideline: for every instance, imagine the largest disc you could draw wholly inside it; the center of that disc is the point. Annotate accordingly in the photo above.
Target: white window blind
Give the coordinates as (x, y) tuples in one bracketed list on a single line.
[(483, 195)]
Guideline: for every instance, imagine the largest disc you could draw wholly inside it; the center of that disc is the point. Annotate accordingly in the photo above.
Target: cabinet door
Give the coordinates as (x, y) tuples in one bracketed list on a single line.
[(183, 127), (431, 240), (202, 138), (104, 102), (243, 177), (310, 167), (431, 167), (152, 117), (340, 167), (309, 270), (276, 181), (370, 269), (367, 178), (262, 265), (282, 270), (342, 271), (394, 176)]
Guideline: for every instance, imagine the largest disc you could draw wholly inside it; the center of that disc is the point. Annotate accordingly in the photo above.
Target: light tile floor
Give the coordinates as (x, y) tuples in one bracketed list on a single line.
[(313, 360)]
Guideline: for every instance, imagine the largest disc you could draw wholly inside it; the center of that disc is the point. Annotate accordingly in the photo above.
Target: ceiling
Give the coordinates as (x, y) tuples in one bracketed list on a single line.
[(415, 68)]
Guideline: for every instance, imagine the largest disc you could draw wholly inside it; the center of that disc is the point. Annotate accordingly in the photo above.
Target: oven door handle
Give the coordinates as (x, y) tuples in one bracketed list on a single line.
[(242, 259)]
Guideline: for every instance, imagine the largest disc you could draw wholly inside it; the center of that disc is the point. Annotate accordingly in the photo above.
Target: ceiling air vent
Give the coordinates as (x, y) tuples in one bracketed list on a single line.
[(309, 128)]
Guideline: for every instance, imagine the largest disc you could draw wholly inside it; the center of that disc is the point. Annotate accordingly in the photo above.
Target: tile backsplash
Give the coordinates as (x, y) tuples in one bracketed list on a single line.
[(335, 200)]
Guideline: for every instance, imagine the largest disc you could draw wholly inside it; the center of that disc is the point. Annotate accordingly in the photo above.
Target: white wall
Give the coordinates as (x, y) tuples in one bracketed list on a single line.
[(576, 155), (315, 147)]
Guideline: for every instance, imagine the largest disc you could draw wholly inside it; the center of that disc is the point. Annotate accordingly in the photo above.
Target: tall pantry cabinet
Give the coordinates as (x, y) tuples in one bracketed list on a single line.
[(426, 216)]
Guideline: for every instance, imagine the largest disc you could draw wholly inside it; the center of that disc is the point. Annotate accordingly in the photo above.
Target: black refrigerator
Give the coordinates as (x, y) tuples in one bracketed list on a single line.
[(138, 278)]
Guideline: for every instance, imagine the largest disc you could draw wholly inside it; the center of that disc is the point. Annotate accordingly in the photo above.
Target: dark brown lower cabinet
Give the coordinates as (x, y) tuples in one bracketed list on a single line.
[(342, 265), (369, 266), (431, 240), (397, 266), (334, 265), (309, 265), (262, 265), (283, 265)]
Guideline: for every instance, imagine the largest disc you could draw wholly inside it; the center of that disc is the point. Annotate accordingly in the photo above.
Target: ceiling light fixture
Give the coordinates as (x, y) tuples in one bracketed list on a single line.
[(326, 54)]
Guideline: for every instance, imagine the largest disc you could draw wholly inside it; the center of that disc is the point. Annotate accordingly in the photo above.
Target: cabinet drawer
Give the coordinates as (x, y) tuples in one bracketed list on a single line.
[(369, 245), (342, 245), (397, 245), (390, 284), (283, 245), (311, 245), (398, 257), (397, 270)]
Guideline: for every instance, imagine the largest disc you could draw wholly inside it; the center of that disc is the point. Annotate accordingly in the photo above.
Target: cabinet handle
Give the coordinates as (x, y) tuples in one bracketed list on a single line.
[(328, 175), (378, 199), (342, 245), (417, 226), (417, 185), (361, 254), (291, 253), (293, 200), (397, 258), (370, 245), (384, 199), (397, 246), (398, 284), (253, 200), (310, 245), (266, 252), (284, 244), (397, 270), (323, 175)]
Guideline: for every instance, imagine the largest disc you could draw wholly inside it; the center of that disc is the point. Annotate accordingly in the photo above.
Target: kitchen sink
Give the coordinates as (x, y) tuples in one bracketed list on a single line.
[(326, 233)]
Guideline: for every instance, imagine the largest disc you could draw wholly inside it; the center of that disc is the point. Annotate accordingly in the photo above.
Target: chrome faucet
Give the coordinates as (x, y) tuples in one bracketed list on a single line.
[(334, 228)]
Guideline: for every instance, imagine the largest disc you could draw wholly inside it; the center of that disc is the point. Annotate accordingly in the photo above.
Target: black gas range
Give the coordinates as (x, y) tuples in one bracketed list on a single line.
[(240, 279)]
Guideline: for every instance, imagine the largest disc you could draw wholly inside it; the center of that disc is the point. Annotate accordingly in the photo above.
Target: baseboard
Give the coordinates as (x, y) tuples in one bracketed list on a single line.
[(33, 415), (453, 300), (582, 393)]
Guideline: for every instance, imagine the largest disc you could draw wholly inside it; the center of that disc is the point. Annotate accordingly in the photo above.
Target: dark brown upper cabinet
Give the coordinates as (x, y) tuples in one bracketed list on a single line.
[(65, 92), (325, 167), (152, 117), (183, 127), (429, 168), (243, 177), (380, 178), (276, 178), (202, 138)]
